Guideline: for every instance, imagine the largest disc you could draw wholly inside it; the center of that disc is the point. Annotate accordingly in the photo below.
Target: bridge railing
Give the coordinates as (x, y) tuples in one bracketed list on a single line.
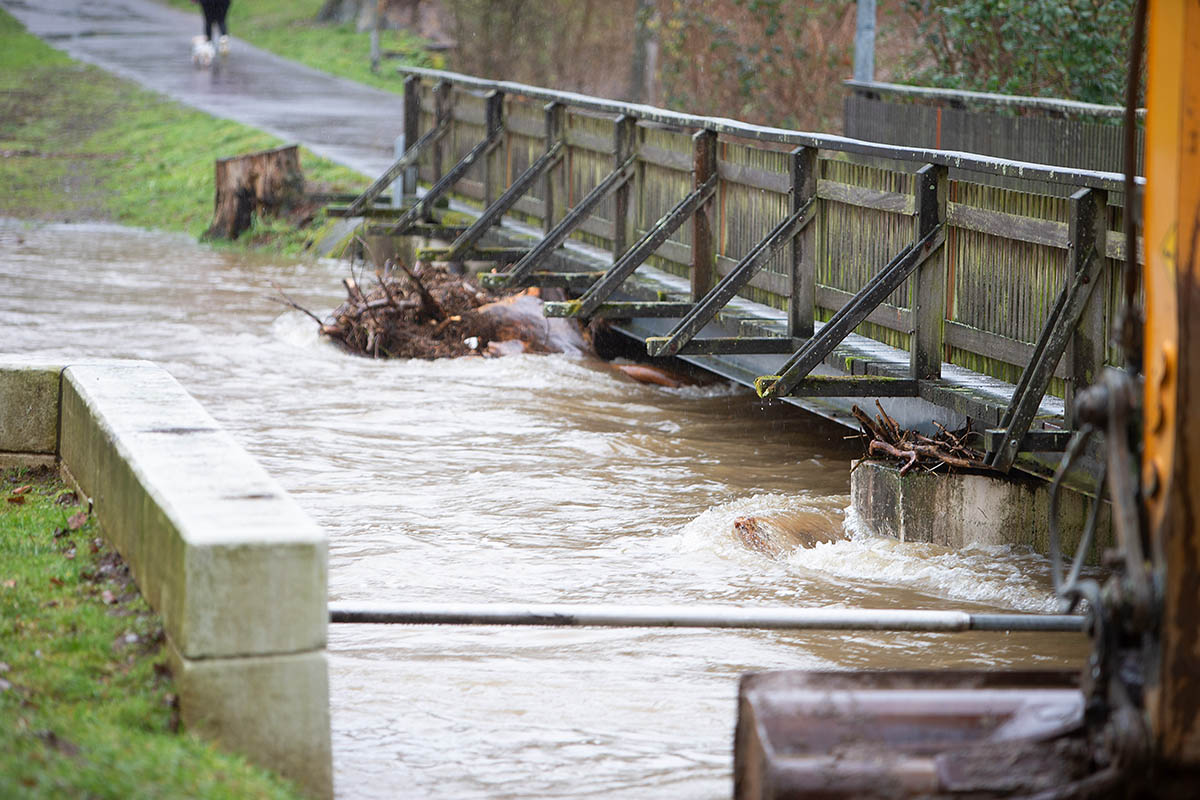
[(1046, 130), (988, 295)]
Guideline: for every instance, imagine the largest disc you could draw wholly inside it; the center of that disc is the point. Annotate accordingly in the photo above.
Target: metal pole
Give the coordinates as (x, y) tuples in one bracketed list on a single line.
[(864, 42), (375, 23), (830, 619)]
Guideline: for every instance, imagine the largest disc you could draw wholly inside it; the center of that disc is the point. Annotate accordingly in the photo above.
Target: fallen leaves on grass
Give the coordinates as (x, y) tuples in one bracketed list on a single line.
[(77, 520), (17, 497)]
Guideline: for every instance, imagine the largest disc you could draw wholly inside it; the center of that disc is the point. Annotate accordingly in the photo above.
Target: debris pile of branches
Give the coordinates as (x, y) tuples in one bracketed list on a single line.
[(946, 449), (406, 314), (430, 312)]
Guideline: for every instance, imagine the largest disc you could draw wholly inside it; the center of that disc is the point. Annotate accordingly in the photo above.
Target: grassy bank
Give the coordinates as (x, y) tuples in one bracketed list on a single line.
[(78, 143), (86, 700), (286, 28)]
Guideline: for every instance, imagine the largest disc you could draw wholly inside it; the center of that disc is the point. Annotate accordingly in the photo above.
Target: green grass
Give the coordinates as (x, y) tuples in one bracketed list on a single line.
[(286, 28), (87, 707), (79, 143)]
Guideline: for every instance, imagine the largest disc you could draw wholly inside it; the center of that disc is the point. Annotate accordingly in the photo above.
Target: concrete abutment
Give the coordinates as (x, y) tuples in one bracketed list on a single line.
[(236, 570), (959, 510)]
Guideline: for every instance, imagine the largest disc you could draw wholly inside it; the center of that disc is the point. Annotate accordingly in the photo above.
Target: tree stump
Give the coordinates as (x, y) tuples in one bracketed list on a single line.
[(267, 183)]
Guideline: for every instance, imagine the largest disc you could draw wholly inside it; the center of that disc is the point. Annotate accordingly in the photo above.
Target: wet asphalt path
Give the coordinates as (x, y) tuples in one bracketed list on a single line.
[(149, 43)]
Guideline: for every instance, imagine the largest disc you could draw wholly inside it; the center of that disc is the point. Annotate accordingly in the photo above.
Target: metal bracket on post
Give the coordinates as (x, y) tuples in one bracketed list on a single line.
[(1086, 265), (491, 215), (405, 165), (720, 295), (571, 221), (424, 206), (852, 314), (929, 280), (635, 256)]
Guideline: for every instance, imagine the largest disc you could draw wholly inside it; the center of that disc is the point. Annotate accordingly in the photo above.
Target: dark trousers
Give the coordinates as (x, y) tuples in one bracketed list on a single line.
[(214, 13)]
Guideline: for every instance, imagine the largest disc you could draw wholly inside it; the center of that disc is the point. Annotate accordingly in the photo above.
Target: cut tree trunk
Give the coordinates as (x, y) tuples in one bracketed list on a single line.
[(264, 184)]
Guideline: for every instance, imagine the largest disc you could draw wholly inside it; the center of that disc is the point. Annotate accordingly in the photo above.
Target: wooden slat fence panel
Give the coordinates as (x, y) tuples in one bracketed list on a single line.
[(750, 202), (586, 167), (666, 178), (1000, 285), (857, 241)]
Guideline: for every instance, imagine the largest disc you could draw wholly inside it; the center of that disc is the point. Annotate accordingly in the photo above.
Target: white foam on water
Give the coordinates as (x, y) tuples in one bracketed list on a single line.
[(1004, 576)]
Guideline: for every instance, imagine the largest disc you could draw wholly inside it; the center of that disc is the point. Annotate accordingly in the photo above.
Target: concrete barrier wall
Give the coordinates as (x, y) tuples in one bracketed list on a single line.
[(235, 568), (957, 510)]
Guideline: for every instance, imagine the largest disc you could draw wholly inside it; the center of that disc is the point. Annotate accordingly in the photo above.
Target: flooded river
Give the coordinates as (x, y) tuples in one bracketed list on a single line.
[(541, 479)]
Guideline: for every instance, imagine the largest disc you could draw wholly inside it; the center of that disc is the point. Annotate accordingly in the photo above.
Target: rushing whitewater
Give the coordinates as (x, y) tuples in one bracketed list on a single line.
[(530, 478)]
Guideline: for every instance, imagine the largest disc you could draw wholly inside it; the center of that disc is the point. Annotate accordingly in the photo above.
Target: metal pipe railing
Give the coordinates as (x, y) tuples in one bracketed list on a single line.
[(1110, 181), (1051, 105), (812, 619)]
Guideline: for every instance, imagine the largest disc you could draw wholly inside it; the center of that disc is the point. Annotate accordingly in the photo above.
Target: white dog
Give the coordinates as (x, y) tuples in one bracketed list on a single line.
[(203, 52)]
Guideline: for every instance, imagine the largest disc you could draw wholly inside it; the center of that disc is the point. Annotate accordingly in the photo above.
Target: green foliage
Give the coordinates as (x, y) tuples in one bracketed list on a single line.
[(763, 61), (87, 706), (577, 45), (1074, 49)]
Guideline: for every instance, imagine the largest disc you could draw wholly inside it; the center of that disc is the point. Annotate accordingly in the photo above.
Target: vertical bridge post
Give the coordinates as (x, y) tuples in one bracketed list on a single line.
[(624, 146), (929, 280), (555, 132), (493, 179), (412, 132), (802, 303), (1088, 227), (704, 165), (1086, 264), (443, 94)]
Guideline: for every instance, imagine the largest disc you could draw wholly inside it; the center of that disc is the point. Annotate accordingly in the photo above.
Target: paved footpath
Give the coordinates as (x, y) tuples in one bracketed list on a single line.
[(143, 41)]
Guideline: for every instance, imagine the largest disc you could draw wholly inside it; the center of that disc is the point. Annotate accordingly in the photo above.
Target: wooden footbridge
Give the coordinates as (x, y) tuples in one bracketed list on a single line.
[(819, 269)]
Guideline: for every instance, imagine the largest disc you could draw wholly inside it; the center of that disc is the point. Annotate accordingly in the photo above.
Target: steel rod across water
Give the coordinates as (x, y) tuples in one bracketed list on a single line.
[(830, 619)]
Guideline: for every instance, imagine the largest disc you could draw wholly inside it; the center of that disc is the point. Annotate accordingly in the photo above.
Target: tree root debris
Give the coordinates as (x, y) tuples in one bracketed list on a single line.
[(885, 437), (429, 312)]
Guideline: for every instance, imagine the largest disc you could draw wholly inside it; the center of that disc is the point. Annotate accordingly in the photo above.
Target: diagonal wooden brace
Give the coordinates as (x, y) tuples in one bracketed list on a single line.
[(556, 235), (635, 256), (410, 157), (447, 181), (724, 291), (851, 315), (504, 202)]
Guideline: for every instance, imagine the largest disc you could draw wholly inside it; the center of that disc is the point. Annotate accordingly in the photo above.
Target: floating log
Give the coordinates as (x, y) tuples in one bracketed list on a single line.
[(777, 534)]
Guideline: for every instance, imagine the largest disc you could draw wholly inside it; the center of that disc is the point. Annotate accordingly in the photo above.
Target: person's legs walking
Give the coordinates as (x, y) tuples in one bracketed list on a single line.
[(208, 7), (222, 10)]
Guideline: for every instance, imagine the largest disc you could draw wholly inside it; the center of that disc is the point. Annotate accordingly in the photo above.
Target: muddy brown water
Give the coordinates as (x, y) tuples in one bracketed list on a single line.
[(540, 479)]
